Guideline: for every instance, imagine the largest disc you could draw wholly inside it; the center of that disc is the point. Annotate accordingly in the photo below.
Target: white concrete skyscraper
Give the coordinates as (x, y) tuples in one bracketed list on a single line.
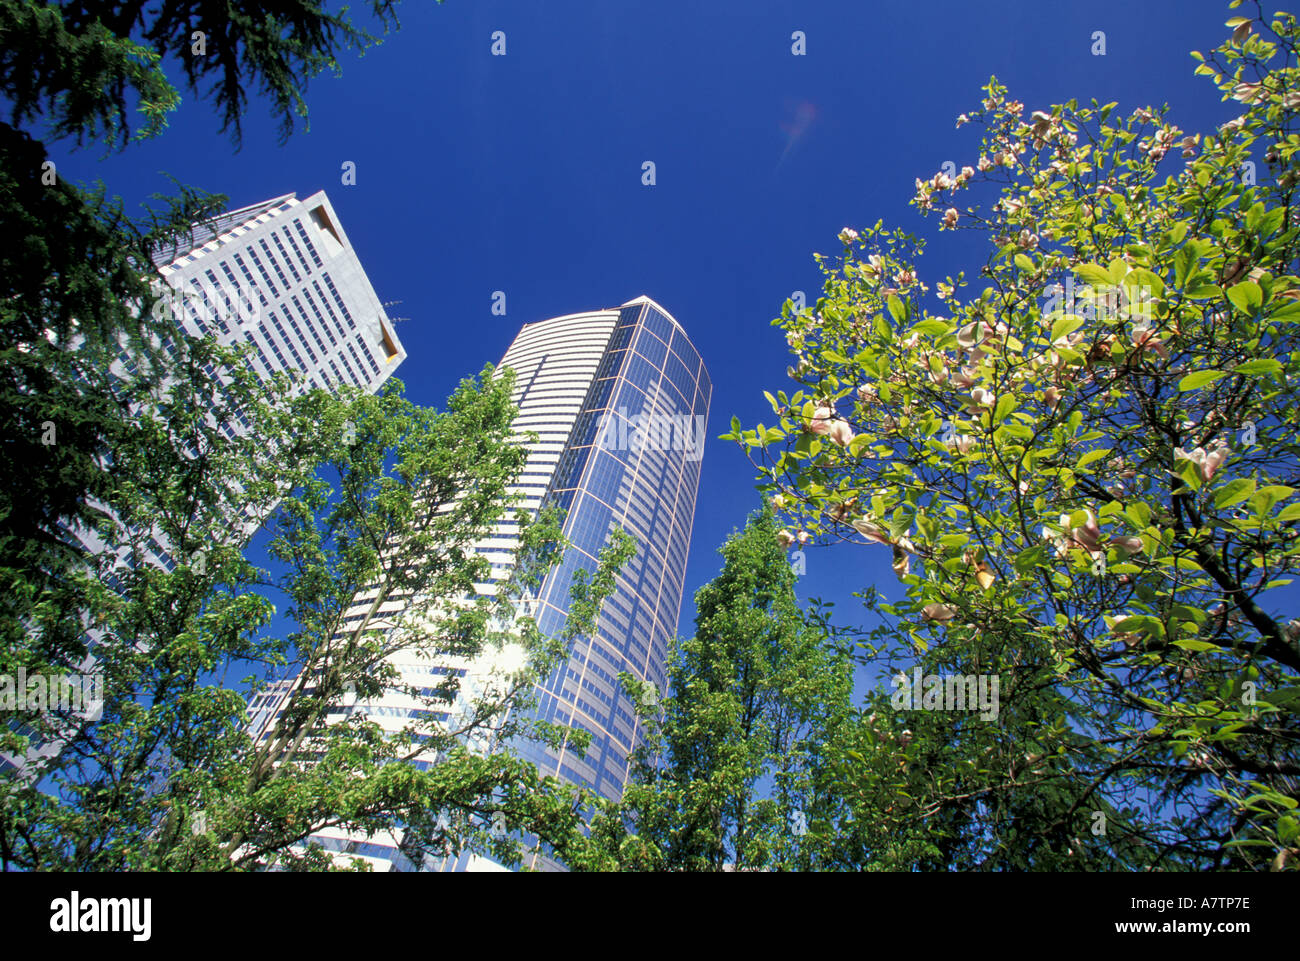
[(286, 269), (282, 276)]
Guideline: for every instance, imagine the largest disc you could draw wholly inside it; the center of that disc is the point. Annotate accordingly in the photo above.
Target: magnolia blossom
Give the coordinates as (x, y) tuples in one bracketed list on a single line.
[(1248, 92), (950, 217), (840, 512), (867, 394), (1053, 397), (821, 421), (1145, 338), (803, 537), (1207, 463), (778, 502), (962, 443), (965, 378), (865, 527), (848, 235), (1087, 537), (966, 173), (1131, 545), (983, 397), (983, 573), (785, 539), (902, 562), (939, 612), (840, 432)]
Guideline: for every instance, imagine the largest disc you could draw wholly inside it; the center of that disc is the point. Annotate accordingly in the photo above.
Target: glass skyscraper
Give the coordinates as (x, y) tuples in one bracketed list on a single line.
[(632, 461), (619, 400)]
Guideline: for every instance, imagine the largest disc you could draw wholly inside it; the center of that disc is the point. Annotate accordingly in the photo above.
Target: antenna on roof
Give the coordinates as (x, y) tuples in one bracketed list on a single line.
[(392, 303)]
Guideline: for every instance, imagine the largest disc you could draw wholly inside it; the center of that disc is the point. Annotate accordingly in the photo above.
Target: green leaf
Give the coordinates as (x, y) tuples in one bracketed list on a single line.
[(1093, 274), (1024, 263), (1246, 296), (1065, 325), (1200, 378), (1205, 292), (1090, 456), (1234, 492), (932, 327), (897, 309), (1264, 365)]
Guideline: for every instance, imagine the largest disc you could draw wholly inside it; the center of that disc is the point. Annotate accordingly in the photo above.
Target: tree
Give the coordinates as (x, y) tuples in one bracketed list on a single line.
[(77, 286), (374, 494), (83, 66), (1090, 461), (727, 778)]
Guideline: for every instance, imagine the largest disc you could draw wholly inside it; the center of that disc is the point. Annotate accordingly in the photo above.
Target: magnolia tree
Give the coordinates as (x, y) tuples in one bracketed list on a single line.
[(1087, 448)]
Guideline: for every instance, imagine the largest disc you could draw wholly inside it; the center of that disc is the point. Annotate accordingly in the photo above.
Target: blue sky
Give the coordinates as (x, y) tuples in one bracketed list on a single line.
[(522, 173)]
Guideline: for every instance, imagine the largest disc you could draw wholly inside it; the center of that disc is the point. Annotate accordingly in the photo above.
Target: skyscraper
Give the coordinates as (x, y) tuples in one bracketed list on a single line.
[(619, 401), (632, 461), (282, 276)]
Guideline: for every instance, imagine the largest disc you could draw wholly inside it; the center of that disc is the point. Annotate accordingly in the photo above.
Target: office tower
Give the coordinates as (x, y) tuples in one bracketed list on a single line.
[(282, 276), (618, 399), (632, 461)]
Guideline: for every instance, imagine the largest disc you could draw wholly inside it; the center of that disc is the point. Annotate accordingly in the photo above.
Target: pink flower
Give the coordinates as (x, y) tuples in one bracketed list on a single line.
[(1132, 545), (1144, 338), (983, 397), (1053, 397), (867, 394), (778, 502), (963, 443), (803, 537), (841, 433), (967, 173), (1207, 463), (870, 531), (848, 235), (1087, 536), (785, 539), (965, 378), (821, 422), (950, 217), (939, 612)]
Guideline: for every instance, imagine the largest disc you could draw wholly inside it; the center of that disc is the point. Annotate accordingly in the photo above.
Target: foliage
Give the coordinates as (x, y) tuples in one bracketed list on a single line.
[(84, 65), (378, 499), (727, 778), (1088, 464)]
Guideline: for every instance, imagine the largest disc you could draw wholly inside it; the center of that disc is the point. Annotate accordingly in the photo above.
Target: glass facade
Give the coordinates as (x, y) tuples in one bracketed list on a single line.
[(632, 461)]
